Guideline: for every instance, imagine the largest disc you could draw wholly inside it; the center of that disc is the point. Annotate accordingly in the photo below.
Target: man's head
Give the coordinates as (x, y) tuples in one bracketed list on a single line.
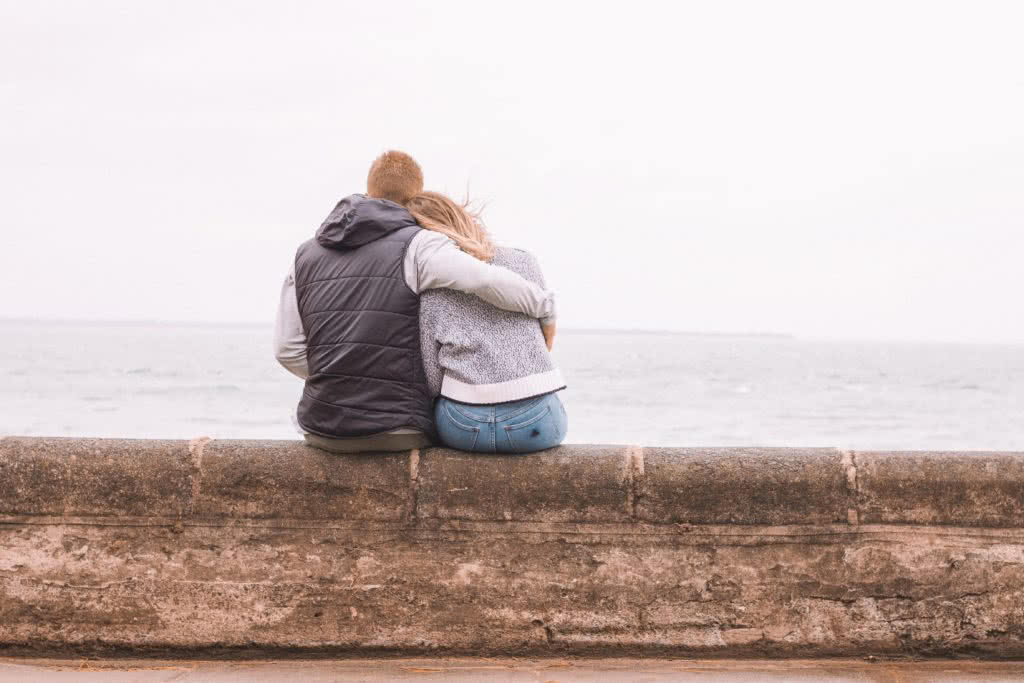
[(394, 175)]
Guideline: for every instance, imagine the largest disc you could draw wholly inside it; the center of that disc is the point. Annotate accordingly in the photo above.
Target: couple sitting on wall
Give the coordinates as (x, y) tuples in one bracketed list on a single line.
[(411, 327)]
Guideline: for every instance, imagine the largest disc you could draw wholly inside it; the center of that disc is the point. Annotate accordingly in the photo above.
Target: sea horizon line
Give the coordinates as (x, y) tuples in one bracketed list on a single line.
[(767, 335)]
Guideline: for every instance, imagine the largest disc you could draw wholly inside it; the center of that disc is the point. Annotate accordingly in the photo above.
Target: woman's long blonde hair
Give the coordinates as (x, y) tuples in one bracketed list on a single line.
[(437, 212)]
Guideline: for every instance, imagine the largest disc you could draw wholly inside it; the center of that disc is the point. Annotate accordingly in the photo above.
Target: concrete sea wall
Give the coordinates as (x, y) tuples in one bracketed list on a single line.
[(249, 547)]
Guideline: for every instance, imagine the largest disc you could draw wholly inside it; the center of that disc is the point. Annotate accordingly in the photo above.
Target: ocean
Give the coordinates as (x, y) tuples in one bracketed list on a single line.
[(655, 389)]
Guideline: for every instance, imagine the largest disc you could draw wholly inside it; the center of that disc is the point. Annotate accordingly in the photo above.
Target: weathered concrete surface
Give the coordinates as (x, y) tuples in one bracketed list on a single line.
[(968, 489), (744, 486), (233, 548), (545, 487)]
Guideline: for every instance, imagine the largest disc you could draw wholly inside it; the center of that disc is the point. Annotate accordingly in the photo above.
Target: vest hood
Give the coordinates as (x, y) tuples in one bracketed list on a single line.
[(358, 220)]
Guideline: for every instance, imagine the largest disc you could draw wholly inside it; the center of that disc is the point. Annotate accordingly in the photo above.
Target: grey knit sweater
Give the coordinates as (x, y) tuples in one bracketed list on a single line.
[(476, 353)]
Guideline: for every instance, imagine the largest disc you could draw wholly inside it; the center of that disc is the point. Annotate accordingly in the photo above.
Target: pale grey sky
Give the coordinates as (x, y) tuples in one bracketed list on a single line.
[(828, 169)]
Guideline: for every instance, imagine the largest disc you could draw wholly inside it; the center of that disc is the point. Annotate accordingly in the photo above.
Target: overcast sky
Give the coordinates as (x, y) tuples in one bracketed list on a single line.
[(827, 169)]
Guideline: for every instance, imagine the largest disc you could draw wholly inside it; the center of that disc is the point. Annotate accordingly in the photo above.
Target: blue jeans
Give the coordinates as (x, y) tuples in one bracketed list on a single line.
[(517, 427)]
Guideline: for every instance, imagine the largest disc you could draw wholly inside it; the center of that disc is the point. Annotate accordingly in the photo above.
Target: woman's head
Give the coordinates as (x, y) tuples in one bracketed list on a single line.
[(434, 211)]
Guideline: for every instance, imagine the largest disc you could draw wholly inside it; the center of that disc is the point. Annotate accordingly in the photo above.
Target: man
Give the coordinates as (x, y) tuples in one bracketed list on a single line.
[(348, 318)]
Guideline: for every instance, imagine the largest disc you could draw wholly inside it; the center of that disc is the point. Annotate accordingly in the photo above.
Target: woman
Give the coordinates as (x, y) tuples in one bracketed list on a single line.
[(490, 369)]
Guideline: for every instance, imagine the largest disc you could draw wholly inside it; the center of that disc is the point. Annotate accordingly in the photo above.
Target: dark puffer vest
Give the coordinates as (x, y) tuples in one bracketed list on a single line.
[(362, 324)]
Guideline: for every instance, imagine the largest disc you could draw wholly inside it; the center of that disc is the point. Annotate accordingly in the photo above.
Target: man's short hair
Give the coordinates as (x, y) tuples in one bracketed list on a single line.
[(394, 175)]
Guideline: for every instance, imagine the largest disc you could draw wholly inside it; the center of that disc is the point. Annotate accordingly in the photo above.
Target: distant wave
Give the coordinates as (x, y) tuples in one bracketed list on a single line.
[(150, 372), (235, 421), (191, 389), (956, 385)]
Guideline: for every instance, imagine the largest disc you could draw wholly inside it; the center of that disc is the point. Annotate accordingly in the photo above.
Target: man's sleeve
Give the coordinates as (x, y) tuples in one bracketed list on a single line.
[(289, 337), (433, 261)]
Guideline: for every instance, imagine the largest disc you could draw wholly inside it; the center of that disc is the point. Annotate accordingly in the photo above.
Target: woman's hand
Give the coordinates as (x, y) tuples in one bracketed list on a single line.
[(549, 335)]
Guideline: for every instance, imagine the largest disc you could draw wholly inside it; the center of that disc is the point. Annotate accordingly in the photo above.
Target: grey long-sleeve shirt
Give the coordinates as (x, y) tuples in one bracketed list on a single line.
[(432, 261)]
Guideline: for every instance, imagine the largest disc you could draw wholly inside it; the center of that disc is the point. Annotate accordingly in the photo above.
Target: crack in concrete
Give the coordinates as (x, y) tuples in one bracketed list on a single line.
[(195, 450), (414, 482), (849, 464), (849, 600), (633, 474), (100, 587)]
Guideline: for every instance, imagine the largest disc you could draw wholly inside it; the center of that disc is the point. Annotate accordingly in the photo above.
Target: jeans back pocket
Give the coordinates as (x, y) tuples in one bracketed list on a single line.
[(533, 432), (454, 431)]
